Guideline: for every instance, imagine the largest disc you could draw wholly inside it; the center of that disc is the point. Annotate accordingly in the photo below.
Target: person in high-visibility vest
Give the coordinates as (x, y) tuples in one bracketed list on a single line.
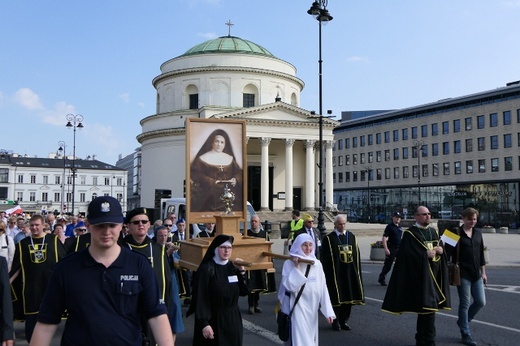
[(296, 224)]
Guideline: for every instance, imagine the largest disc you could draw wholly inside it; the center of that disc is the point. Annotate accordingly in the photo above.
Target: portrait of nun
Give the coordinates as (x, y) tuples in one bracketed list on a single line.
[(213, 167)]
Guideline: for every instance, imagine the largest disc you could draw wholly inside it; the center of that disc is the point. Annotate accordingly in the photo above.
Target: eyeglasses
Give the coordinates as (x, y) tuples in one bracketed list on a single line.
[(168, 225), (424, 214), (225, 248), (137, 222), (81, 229)]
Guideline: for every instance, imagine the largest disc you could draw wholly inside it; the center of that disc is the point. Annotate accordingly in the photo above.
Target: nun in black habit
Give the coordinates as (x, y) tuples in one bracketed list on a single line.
[(217, 285)]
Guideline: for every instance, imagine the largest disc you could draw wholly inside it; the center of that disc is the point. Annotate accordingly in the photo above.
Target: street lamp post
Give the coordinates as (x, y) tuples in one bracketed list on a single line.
[(74, 121), (62, 151), (368, 169), (319, 11), (418, 145)]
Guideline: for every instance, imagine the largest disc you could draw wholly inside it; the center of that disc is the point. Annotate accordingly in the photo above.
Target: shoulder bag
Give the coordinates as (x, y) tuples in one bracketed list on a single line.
[(284, 320)]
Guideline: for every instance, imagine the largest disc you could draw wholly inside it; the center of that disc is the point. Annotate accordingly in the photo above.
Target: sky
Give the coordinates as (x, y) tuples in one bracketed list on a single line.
[(97, 58)]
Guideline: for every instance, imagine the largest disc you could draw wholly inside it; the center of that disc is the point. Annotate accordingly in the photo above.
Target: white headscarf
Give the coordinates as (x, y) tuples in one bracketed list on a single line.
[(217, 258), (296, 247)]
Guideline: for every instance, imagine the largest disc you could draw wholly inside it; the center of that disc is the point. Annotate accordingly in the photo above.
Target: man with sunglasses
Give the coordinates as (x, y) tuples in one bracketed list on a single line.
[(419, 281), (105, 288), (138, 221)]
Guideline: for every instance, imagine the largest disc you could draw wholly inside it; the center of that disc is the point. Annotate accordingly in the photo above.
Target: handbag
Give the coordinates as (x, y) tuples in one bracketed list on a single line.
[(454, 269), (284, 320)]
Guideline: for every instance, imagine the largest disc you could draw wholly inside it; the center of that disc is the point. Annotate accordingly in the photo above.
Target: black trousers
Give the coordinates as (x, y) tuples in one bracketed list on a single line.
[(342, 312), (425, 335), (389, 260), (253, 298)]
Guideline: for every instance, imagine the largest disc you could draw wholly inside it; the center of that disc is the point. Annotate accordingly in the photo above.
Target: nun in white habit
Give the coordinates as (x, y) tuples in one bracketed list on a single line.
[(304, 319)]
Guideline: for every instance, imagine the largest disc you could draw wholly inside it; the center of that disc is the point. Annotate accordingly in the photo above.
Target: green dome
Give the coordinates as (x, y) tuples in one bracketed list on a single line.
[(228, 44)]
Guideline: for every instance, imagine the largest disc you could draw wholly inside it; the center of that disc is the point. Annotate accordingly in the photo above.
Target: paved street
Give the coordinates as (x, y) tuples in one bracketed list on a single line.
[(497, 324)]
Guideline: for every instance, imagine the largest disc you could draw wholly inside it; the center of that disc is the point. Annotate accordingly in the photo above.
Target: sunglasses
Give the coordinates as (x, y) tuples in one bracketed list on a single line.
[(168, 225), (137, 222), (81, 229)]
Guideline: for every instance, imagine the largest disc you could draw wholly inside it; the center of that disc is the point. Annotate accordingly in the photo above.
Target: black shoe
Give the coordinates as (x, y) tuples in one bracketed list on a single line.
[(467, 340), (251, 310), (335, 326), (258, 310), (382, 281), (345, 326)]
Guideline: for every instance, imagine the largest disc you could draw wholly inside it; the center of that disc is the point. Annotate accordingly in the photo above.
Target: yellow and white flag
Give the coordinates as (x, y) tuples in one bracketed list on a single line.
[(450, 238)]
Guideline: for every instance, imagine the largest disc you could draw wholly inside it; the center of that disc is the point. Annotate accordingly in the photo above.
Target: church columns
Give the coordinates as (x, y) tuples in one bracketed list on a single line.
[(309, 174), (264, 174), (289, 173), (329, 189)]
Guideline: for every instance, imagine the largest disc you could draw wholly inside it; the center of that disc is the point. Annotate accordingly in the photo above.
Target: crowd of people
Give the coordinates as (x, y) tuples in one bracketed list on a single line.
[(106, 267)]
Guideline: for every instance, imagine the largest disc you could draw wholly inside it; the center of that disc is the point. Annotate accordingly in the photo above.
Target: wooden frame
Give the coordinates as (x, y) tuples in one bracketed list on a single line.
[(209, 168)]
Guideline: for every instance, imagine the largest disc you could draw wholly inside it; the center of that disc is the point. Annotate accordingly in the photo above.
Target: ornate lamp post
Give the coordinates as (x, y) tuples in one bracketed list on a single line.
[(61, 151), (319, 11), (418, 145), (368, 170), (74, 121)]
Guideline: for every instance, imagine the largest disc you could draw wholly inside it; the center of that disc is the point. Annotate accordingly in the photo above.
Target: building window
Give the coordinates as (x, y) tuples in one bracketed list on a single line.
[(387, 136), (424, 170), (481, 141), (57, 197), (378, 138), (424, 130), (45, 196), (405, 153), (354, 159), (446, 148), (361, 141), (340, 144), (506, 117), (494, 165), (248, 100), (347, 177), (469, 145), (467, 124), (379, 174), (480, 122), (370, 157), (340, 177), (334, 161), (414, 152), (354, 142), (94, 181), (414, 132), (494, 142), (94, 196), (32, 196), (396, 154), (456, 125), (446, 168), (493, 120), (396, 172), (370, 139), (406, 172), (347, 143), (347, 160), (518, 116), (435, 129), (469, 167), (19, 196), (107, 181), (445, 127), (354, 176), (507, 141), (33, 179), (396, 135), (363, 175), (508, 163), (194, 101), (362, 158), (458, 167), (435, 169), (378, 156), (83, 179), (45, 180), (69, 196), (340, 160), (456, 147), (57, 180), (482, 166), (404, 134), (387, 155), (69, 179), (435, 149), (387, 173), (4, 175), (415, 171)]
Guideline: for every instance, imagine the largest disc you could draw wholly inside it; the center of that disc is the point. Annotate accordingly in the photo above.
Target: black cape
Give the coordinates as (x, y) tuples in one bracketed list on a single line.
[(418, 284)]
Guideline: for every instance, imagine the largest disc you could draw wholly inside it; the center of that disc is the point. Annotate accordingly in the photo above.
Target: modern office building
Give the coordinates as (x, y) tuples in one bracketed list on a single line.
[(41, 185), (448, 155)]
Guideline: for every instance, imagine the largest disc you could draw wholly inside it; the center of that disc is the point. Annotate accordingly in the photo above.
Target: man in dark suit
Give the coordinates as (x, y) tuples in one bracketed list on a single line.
[(308, 228)]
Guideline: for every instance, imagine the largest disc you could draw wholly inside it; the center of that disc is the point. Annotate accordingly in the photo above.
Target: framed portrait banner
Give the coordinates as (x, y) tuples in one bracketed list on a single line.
[(216, 163)]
